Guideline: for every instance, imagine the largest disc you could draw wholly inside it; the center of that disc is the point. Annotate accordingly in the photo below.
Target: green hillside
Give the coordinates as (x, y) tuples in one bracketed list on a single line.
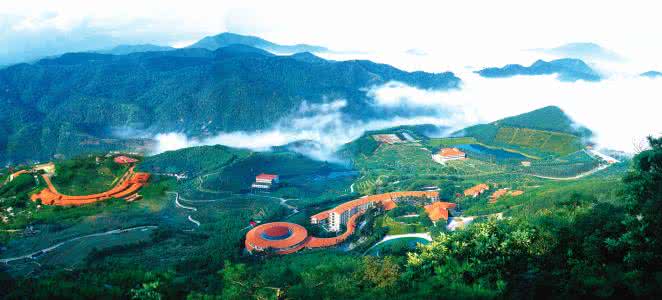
[(546, 131), (215, 171)]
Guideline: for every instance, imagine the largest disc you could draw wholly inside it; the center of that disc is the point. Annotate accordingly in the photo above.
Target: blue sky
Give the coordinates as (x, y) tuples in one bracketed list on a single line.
[(460, 36), (31, 29)]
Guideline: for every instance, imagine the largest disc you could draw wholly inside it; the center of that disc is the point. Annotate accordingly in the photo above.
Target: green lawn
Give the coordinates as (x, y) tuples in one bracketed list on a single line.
[(395, 227), (544, 141), (83, 176), (450, 142)]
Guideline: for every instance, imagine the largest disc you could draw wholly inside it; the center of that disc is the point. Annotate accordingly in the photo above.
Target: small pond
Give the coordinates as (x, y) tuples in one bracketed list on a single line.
[(485, 151)]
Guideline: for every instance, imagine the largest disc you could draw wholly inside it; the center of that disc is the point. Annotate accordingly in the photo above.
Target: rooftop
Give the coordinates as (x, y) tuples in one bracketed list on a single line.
[(438, 210), (124, 160), (451, 152), (266, 176)]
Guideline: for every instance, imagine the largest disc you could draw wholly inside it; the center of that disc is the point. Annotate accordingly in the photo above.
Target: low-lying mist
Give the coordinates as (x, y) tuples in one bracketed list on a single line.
[(621, 111), (324, 128)]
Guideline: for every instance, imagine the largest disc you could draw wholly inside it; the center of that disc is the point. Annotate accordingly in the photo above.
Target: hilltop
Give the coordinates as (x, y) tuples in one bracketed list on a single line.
[(567, 69), (651, 74), (226, 39), (547, 130), (128, 49), (588, 51)]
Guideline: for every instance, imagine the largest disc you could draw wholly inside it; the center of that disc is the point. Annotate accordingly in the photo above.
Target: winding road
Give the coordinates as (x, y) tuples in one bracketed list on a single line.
[(591, 172), (35, 254), (191, 208), (594, 153)]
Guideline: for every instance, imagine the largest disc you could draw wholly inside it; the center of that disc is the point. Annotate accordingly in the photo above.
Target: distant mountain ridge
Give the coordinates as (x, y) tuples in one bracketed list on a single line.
[(651, 74), (226, 39), (586, 51), (73, 103), (567, 69), (128, 49)]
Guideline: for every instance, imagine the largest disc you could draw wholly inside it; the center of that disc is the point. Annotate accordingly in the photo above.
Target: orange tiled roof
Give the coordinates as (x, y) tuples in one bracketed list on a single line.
[(266, 236), (502, 192), (124, 160), (315, 242), (451, 152), (128, 185), (389, 204), (498, 194), (438, 210), (476, 190), (516, 193), (264, 176), (375, 198)]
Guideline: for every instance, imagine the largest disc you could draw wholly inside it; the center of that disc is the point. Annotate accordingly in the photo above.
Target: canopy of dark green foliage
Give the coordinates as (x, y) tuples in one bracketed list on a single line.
[(73, 103), (192, 161)]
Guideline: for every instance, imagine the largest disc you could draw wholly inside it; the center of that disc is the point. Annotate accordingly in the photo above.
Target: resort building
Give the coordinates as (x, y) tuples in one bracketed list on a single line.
[(476, 190), (448, 154), (439, 210), (340, 215), (124, 160), (278, 237), (48, 168), (265, 181), (285, 238), (127, 188), (504, 192)]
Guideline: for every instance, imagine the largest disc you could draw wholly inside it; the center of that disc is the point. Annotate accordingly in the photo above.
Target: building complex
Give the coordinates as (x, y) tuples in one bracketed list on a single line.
[(448, 154), (285, 238), (476, 190), (339, 215), (265, 181)]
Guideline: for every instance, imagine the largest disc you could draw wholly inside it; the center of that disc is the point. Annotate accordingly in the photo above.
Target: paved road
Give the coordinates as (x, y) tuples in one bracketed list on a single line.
[(593, 153), (424, 235), (191, 208), (597, 169), (33, 255)]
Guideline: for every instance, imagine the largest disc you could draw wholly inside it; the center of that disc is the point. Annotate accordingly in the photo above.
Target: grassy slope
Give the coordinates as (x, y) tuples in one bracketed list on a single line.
[(542, 132), (83, 176), (217, 171)]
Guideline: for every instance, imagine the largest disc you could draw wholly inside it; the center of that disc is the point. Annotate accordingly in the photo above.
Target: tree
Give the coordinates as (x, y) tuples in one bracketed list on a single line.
[(148, 291), (642, 239)]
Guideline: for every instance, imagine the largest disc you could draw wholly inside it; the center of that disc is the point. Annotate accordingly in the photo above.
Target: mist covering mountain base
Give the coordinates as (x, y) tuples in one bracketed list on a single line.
[(73, 103)]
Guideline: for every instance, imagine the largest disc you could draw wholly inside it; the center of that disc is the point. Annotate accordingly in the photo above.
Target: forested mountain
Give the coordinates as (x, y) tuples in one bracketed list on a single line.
[(226, 39), (79, 101), (567, 69)]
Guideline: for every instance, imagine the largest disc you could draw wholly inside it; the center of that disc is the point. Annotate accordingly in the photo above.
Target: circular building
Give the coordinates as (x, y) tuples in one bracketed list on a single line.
[(277, 237)]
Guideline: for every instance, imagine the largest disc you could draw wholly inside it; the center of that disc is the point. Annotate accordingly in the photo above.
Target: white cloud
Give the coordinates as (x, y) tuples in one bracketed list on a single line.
[(456, 29), (460, 36), (621, 110), (322, 124)]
